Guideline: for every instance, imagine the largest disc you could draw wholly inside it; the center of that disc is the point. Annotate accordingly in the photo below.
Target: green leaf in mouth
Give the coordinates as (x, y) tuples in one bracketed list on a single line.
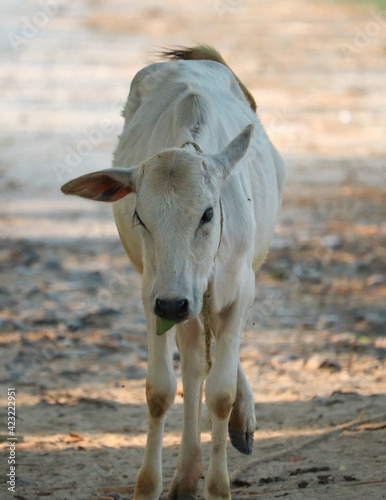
[(163, 325)]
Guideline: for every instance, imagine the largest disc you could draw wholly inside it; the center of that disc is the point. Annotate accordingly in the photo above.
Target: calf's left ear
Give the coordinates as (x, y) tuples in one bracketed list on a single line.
[(111, 184), (232, 154)]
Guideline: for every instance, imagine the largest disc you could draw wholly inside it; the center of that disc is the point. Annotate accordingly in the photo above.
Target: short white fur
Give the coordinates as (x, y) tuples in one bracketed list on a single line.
[(160, 192)]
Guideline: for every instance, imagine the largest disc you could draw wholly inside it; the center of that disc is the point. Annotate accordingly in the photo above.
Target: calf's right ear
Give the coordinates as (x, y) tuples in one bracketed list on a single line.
[(106, 185)]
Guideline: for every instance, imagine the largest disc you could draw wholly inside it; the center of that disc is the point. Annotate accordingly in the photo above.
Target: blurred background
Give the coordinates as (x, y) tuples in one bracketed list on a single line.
[(72, 329)]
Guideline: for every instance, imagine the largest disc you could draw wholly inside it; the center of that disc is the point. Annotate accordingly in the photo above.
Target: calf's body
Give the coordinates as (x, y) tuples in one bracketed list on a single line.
[(196, 186)]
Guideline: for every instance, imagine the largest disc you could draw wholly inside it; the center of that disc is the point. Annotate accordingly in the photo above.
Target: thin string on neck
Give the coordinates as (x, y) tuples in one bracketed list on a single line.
[(208, 330), (194, 144)]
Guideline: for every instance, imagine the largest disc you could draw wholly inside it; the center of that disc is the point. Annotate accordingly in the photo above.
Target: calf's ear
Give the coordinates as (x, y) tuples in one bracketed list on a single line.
[(232, 154), (106, 185)]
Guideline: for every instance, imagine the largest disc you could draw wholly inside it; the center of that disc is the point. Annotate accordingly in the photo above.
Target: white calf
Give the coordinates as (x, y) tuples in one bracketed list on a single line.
[(203, 199)]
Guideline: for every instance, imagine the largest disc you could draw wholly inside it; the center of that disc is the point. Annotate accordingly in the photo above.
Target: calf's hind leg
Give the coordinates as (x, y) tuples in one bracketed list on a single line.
[(242, 422), (220, 392)]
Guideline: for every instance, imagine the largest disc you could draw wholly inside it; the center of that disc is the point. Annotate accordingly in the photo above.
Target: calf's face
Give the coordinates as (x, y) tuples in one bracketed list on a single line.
[(179, 216), (178, 211)]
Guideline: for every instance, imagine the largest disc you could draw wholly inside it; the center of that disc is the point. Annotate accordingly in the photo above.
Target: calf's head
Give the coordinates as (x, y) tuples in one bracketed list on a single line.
[(178, 213)]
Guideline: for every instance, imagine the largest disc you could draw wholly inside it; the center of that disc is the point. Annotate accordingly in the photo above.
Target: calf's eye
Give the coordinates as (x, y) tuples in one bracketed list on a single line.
[(207, 216)]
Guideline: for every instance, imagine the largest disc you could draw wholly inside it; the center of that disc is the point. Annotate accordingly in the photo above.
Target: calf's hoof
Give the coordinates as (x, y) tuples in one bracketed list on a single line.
[(242, 441), (174, 494), (183, 497)]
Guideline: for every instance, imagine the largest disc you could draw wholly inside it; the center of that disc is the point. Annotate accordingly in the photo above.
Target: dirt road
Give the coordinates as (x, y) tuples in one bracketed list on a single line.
[(72, 330)]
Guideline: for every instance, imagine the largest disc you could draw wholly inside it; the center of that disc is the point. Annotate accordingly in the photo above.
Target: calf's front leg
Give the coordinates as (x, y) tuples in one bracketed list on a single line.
[(221, 389), (161, 388), (190, 341)]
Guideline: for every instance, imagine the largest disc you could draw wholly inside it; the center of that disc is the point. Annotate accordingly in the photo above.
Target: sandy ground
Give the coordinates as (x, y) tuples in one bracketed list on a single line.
[(73, 336)]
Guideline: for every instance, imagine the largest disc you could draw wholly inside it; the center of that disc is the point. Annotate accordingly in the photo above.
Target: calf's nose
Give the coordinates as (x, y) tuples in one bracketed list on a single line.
[(175, 310)]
